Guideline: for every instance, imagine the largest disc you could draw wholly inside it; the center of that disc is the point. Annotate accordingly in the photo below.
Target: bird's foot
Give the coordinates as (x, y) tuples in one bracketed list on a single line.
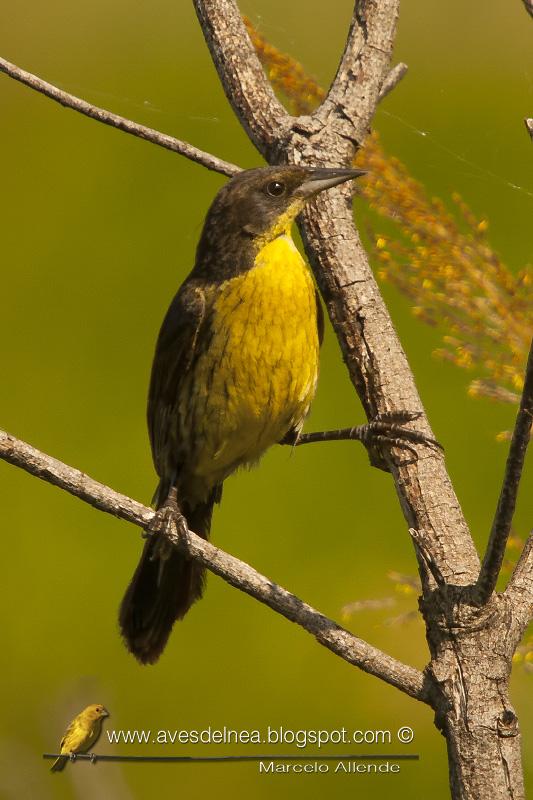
[(93, 758), (389, 429), (168, 521), (386, 429), (72, 756)]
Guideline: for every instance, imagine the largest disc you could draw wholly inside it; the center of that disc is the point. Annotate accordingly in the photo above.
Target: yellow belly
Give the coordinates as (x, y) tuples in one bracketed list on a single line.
[(256, 379)]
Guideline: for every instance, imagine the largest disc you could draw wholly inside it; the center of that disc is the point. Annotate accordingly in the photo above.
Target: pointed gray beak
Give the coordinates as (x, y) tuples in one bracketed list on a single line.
[(324, 178)]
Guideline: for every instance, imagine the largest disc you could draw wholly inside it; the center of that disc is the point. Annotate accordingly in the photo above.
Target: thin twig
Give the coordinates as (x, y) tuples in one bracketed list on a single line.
[(231, 569), (492, 563), (115, 121), (320, 756), (393, 79)]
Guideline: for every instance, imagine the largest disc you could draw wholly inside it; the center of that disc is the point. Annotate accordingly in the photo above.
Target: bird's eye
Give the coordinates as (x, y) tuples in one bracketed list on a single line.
[(275, 188)]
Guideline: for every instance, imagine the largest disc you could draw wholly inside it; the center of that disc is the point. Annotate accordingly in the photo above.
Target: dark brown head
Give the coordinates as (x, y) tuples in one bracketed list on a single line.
[(257, 205)]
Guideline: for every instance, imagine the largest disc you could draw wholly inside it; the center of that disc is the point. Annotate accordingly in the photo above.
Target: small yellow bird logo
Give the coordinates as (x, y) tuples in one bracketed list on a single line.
[(81, 734)]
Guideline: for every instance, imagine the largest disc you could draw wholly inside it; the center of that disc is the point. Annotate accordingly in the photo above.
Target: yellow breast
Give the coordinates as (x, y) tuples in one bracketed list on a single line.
[(258, 376)]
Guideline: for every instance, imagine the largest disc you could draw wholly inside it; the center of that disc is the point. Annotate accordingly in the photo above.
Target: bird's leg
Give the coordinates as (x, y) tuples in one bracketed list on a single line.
[(385, 429), (166, 522), (72, 756), (92, 758), (167, 516)]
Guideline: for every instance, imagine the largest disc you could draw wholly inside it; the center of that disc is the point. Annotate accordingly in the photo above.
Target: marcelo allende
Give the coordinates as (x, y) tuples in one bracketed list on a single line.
[(353, 767)]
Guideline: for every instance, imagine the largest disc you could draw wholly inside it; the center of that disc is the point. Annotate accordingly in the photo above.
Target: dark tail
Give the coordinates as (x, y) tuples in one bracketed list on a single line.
[(59, 764), (162, 592)]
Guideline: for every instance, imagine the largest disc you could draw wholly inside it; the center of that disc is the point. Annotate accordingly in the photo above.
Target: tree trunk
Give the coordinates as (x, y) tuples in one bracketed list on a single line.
[(471, 652)]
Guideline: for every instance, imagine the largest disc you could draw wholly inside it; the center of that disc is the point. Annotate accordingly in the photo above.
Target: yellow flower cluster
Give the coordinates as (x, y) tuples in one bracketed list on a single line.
[(446, 267), (442, 262)]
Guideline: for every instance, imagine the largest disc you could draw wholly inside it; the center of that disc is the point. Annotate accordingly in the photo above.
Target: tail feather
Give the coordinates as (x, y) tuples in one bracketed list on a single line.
[(162, 591), (59, 764)]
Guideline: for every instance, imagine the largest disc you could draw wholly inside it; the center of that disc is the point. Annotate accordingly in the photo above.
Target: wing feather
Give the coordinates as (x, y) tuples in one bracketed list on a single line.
[(174, 354)]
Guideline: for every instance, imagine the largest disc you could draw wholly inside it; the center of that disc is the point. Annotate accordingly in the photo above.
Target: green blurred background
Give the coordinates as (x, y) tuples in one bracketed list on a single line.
[(98, 229)]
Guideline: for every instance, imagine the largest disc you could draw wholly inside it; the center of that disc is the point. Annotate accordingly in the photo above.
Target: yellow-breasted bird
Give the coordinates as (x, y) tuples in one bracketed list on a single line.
[(234, 372), (81, 734)]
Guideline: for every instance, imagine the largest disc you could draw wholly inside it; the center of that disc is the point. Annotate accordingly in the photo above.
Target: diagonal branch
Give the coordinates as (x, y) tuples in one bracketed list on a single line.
[(371, 349), (385, 384), (115, 121), (231, 569), (246, 86), (501, 526), (355, 91)]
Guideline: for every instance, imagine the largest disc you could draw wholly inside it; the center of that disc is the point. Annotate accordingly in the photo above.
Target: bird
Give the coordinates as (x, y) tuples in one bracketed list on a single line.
[(81, 734), (234, 372)]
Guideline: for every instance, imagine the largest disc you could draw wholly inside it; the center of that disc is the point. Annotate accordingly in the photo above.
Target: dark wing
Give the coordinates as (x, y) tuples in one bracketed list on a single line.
[(174, 354)]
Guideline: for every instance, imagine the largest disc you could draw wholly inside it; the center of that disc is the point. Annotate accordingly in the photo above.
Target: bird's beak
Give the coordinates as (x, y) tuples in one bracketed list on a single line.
[(105, 712), (324, 178)]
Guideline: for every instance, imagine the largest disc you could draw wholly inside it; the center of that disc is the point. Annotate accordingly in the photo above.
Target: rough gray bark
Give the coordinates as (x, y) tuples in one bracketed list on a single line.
[(472, 631)]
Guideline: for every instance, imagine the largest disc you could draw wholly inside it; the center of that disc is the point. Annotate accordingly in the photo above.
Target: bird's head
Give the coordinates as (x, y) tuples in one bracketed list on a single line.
[(257, 205), (261, 201), (96, 711)]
